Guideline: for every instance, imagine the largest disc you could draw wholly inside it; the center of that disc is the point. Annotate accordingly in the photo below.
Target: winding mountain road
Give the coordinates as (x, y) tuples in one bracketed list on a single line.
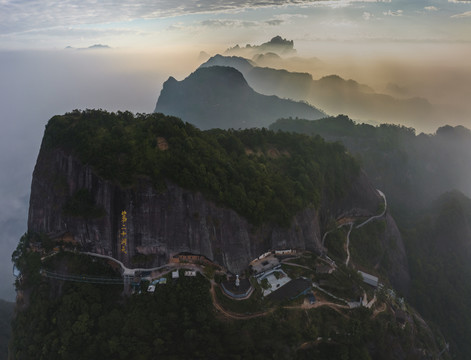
[(348, 244), (375, 217)]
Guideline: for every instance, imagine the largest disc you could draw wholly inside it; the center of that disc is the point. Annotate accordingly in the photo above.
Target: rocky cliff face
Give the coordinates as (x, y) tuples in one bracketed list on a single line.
[(174, 220)]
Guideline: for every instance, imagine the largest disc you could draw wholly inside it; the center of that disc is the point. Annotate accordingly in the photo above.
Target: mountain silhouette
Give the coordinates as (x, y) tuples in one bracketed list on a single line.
[(332, 93), (220, 97)]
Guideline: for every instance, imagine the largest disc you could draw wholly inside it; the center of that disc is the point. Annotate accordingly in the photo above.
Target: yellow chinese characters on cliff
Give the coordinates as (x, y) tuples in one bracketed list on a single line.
[(123, 233)]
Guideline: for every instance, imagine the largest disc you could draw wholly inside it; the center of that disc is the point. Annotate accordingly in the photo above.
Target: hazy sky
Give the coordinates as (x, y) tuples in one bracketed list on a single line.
[(156, 23), (422, 46)]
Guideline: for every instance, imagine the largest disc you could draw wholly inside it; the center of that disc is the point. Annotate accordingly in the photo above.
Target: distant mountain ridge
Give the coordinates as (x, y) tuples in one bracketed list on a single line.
[(220, 97), (331, 93), (413, 169), (276, 45)]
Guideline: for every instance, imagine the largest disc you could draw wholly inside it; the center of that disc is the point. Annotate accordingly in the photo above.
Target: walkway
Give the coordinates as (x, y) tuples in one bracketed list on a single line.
[(230, 314), (296, 265), (328, 293), (127, 271), (83, 278)]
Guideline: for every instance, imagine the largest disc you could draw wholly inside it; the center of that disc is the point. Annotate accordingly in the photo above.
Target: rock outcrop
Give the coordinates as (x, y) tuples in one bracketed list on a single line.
[(160, 223), (174, 220)]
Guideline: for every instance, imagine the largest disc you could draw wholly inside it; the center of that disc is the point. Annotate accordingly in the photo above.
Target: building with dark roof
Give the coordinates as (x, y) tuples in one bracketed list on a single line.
[(291, 290)]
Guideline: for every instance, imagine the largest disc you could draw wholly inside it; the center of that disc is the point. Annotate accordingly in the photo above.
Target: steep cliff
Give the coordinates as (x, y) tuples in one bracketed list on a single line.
[(161, 223), (164, 220)]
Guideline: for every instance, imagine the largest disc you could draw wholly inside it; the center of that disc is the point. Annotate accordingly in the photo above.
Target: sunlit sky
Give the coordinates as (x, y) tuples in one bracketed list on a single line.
[(50, 24)]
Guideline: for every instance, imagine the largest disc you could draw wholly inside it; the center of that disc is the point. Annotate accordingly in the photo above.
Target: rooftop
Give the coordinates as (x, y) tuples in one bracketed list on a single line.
[(291, 290)]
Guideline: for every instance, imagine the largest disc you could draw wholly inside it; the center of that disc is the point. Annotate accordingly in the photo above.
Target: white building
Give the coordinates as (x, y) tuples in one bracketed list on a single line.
[(264, 255), (369, 279), (285, 252)]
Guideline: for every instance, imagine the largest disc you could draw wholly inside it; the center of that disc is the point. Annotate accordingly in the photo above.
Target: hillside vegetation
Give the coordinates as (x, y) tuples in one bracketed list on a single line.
[(6, 314), (263, 175), (440, 251), (418, 173), (67, 320), (413, 170)]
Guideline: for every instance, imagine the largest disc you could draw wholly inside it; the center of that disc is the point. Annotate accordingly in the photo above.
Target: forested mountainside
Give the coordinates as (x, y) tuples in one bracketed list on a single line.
[(219, 97), (6, 315), (71, 320), (413, 169), (419, 172), (439, 247), (229, 195)]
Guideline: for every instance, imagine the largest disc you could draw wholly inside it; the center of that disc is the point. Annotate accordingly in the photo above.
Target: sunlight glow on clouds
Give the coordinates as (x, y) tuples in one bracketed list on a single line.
[(393, 13), (24, 15), (462, 15), (130, 23)]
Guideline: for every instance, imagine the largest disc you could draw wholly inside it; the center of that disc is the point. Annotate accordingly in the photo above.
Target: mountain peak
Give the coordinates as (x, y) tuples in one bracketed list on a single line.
[(219, 75), (276, 45), (220, 97), (279, 41), (240, 63)]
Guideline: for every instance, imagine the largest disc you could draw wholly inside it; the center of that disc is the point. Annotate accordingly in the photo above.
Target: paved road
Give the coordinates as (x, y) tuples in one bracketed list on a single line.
[(376, 216), (364, 223), (230, 314), (348, 244), (127, 271), (296, 265)]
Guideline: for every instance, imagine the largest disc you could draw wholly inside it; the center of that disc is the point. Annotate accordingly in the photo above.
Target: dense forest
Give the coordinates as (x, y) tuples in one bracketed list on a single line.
[(67, 320), (265, 176), (440, 251)]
